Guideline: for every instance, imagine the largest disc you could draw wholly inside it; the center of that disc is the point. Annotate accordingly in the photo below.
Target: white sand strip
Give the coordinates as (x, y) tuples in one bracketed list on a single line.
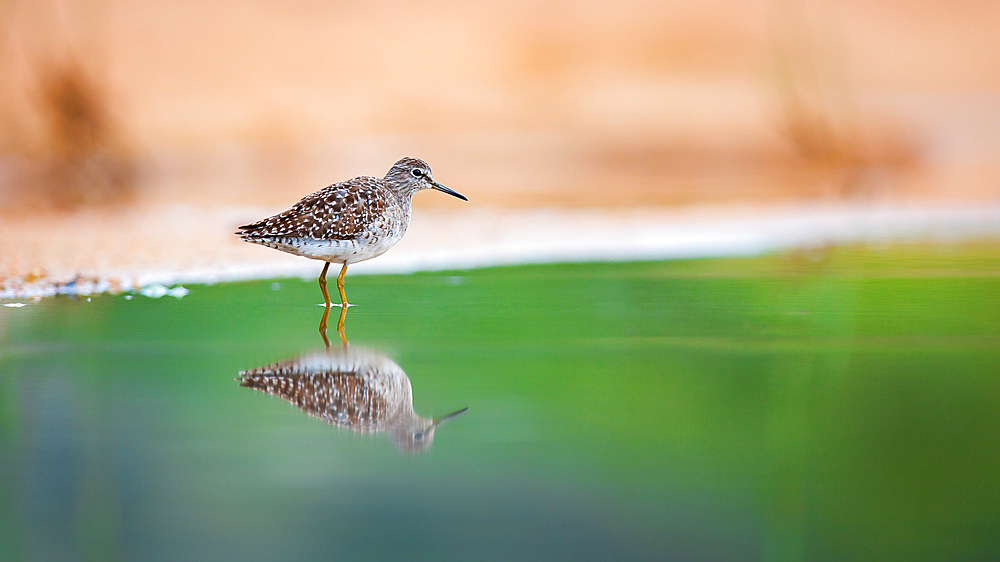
[(88, 253)]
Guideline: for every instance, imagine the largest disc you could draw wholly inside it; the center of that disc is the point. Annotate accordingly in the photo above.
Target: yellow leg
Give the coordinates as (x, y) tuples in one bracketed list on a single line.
[(340, 285), (326, 309), (322, 287)]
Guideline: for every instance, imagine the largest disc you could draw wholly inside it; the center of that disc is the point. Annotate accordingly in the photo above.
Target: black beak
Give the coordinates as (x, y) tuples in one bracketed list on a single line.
[(442, 419), (440, 187)]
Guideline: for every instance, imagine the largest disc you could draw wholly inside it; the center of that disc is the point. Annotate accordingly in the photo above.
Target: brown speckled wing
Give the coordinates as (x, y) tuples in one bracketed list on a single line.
[(339, 398), (341, 211)]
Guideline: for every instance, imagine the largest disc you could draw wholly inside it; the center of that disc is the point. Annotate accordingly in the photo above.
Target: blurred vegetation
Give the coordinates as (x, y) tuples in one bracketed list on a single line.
[(819, 106), (61, 145)]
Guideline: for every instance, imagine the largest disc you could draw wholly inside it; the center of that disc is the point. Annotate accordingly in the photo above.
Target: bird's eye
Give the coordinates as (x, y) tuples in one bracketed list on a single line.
[(418, 435), (417, 172)]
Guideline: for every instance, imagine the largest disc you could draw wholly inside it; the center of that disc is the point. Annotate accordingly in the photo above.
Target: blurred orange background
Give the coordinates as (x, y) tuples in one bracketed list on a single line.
[(175, 121), (514, 103)]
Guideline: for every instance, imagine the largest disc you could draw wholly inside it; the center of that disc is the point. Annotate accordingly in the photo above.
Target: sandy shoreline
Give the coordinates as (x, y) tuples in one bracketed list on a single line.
[(105, 251)]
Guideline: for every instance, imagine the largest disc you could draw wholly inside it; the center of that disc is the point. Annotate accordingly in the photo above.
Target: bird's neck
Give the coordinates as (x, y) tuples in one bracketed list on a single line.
[(404, 196)]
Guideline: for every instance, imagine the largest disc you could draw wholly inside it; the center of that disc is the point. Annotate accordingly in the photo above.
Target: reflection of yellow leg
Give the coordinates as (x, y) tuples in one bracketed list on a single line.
[(340, 285), (322, 325), (322, 284), (340, 326), (326, 310)]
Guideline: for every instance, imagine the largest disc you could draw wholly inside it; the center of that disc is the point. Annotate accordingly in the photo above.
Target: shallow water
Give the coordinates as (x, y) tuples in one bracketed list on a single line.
[(830, 405)]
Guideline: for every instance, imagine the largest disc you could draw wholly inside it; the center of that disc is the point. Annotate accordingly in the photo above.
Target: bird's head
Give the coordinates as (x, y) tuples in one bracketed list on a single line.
[(418, 434), (410, 175)]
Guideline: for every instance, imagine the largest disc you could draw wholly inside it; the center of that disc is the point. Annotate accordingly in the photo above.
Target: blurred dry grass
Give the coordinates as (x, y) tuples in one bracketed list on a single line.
[(63, 147), (515, 103)]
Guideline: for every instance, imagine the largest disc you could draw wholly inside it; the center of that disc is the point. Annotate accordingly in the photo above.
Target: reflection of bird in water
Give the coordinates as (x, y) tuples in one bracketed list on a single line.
[(347, 222), (350, 387)]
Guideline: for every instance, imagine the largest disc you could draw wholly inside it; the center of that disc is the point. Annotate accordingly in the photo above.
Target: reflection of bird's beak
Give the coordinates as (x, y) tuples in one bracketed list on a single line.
[(442, 419), (440, 187)]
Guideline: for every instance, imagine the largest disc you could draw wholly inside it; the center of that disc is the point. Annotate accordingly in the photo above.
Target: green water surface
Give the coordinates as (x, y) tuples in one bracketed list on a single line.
[(838, 404)]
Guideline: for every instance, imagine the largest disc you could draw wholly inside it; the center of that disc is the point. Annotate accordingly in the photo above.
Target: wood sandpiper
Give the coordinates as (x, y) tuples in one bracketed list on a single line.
[(347, 222), (356, 388)]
